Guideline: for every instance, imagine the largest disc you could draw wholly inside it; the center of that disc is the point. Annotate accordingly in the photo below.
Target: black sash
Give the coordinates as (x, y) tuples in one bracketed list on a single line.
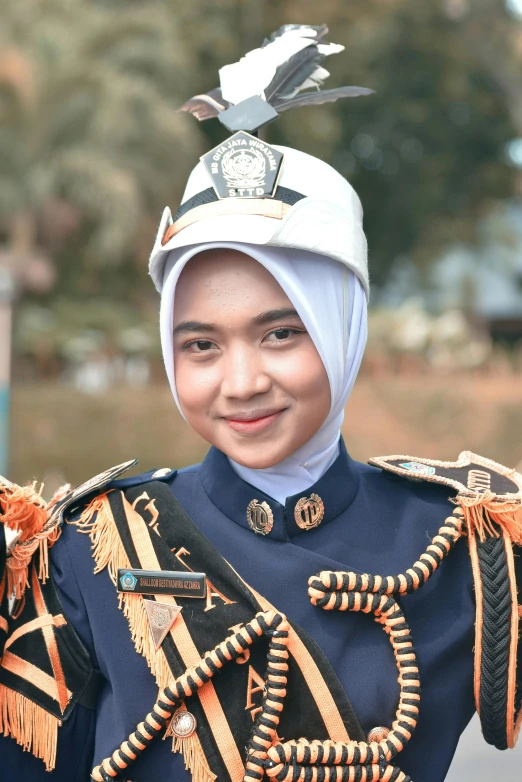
[(157, 534)]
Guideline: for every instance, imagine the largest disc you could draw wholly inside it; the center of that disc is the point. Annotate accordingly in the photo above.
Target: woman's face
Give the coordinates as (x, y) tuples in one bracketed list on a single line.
[(248, 376)]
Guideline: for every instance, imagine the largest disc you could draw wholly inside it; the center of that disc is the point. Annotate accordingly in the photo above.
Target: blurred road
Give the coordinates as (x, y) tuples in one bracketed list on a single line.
[(476, 761)]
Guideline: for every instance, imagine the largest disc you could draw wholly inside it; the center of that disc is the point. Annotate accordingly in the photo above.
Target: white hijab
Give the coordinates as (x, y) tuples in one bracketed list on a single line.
[(331, 302)]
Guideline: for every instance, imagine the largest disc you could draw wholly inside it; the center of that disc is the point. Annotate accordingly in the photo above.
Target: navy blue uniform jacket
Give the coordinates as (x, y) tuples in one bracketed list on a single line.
[(374, 523)]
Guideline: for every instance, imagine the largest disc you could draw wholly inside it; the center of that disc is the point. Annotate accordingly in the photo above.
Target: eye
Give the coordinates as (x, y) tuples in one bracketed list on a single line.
[(280, 335), (199, 346)]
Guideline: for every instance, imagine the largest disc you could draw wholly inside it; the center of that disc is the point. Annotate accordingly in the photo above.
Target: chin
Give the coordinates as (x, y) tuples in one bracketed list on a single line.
[(255, 461)]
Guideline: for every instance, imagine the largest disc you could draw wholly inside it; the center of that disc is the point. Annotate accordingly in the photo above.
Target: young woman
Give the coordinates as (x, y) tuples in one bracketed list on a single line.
[(274, 668)]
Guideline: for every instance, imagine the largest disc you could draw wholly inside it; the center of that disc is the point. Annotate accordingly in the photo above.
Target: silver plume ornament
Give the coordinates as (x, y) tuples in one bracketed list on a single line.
[(285, 72)]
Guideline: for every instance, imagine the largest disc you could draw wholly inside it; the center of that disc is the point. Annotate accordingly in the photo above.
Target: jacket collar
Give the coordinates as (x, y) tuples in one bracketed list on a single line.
[(225, 489)]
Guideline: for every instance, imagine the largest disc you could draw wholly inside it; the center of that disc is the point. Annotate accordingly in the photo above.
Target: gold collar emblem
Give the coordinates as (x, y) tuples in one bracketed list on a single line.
[(260, 517), (309, 512)]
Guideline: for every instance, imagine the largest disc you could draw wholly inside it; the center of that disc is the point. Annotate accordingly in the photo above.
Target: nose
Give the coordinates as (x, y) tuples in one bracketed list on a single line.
[(244, 374)]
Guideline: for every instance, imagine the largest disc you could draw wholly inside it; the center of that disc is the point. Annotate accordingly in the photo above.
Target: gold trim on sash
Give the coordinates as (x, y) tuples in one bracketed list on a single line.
[(183, 640), (320, 692)]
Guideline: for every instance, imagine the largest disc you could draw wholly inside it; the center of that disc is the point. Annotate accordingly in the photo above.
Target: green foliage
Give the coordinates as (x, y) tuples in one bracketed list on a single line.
[(88, 121), (91, 146)]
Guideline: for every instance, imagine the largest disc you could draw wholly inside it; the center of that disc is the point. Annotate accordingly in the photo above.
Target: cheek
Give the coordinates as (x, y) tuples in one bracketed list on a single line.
[(196, 385), (302, 374)]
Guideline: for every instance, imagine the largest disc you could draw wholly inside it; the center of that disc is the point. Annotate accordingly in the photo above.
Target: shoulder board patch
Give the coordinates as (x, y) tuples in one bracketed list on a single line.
[(468, 475), (91, 486), (164, 474)]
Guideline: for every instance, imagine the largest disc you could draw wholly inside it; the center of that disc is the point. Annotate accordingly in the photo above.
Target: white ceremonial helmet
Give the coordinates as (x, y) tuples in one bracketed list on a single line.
[(246, 191), (313, 208)]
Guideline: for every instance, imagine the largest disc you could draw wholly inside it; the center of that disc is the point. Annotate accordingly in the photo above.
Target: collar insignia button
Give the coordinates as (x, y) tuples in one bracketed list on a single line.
[(309, 512), (260, 517)]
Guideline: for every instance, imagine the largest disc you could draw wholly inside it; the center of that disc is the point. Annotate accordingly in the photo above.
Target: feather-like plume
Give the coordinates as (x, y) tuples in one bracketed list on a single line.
[(287, 63), (207, 105), (314, 31), (323, 96), (256, 70)]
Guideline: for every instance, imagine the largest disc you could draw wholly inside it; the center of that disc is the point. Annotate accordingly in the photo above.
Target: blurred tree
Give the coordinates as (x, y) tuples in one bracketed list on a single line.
[(90, 143), (426, 153), (91, 147)]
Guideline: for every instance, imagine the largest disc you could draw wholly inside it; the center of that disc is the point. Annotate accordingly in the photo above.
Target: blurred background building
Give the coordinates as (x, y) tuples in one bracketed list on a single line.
[(92, 148)]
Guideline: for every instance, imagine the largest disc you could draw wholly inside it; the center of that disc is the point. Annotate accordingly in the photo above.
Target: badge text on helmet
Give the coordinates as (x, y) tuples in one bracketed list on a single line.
[(244, 167)]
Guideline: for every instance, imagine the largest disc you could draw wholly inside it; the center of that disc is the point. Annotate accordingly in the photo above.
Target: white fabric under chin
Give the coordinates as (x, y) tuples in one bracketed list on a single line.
[(331, 302)]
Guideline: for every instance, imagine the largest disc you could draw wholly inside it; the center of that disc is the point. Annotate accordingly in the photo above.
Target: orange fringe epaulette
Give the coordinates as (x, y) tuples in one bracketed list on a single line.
[(488, 517), (489, 494), (24, 511)]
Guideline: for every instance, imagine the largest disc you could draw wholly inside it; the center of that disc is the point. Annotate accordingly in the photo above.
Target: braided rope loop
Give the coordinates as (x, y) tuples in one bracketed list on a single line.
[(305, 760), (349, 591), (271, 624)]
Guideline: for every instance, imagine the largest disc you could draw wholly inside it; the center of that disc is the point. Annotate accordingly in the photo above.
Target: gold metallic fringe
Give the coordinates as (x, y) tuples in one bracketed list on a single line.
[(193, 754), (98, 522), (194, 757), (31, 726), (488, 517)]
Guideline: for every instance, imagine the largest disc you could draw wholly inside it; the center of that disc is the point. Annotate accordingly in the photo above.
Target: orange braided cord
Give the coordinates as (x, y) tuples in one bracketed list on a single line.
[(387, 613), (171, 697), (351, 761), (373, 773), (330, 589)]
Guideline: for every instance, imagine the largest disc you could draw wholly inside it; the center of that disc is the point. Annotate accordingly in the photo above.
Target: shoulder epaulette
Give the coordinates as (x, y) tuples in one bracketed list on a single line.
[(490, 496), (36, 523), (77, 497), (34, 703)]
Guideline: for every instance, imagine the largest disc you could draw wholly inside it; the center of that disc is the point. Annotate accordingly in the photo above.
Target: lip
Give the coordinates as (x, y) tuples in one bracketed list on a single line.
[(252, 423)]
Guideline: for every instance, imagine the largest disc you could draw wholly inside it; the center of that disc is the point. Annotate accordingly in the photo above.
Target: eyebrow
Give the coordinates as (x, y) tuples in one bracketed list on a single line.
[(192, 325), (270, 316)]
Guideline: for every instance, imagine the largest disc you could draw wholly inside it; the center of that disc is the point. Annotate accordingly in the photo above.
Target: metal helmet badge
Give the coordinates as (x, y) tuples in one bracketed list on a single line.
[(244, 167)]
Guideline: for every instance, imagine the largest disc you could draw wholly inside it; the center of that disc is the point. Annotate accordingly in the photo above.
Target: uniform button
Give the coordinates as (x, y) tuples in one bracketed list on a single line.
[(378, 734), (161, 473), (183, 724)]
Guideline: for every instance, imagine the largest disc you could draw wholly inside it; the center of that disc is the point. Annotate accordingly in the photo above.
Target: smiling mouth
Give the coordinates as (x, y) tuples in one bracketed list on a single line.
[(255, 422)]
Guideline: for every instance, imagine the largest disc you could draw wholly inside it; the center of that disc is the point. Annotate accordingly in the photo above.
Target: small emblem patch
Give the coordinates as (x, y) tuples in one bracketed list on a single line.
[(128, 582), (161, 618), (243, 167), (418, 468)]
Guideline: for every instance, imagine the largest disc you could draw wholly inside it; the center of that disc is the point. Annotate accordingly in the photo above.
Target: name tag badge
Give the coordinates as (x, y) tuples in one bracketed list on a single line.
[(162, 582)]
